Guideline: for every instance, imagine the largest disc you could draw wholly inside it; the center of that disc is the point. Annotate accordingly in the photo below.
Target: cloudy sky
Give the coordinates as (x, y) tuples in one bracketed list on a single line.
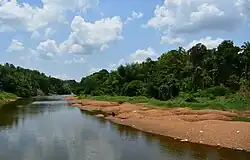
[(73, 38)]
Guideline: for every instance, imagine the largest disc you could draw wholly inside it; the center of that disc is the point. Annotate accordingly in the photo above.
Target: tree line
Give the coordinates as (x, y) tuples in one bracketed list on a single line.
[(175, 71), (26, 82)]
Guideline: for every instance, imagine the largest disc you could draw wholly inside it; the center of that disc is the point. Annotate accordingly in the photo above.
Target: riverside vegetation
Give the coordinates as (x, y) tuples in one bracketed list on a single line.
[(199, 78), (25, 82)]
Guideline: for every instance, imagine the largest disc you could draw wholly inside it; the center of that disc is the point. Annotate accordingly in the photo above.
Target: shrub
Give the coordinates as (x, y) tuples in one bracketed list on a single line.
[(213, 92)]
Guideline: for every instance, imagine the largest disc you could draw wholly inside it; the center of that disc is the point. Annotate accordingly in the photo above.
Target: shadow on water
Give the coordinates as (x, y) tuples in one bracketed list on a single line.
[(11, 112), (182, 150)]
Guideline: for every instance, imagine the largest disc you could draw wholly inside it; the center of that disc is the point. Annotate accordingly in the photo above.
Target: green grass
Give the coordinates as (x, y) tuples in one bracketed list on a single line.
[(7, 96), (241, 119), (228, 102)]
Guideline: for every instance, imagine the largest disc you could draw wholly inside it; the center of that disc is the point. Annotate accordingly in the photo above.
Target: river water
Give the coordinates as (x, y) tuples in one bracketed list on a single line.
[(46, 128)]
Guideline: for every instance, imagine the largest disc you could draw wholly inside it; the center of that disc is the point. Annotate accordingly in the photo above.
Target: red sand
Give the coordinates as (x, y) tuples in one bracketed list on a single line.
[(211, 127)]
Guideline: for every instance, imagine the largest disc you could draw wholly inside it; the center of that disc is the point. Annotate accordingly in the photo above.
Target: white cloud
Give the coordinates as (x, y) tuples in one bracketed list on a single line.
[(171, 40), (68, 62), (15, 45), (162, 17), (176, 2), (5, 28), (19, 15), (74, 60), (135, 15), (76, 48), (142, 54), (62, 19), (48, 46), (177, 18), (244, 8), (207, 41), (88, 38), (208, 17), (103, 47), (46, 56), (49, 32), (47, 49), (35, 35)]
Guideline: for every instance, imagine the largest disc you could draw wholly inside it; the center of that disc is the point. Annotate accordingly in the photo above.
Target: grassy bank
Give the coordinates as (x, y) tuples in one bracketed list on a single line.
[(228, 102), (5, 97)]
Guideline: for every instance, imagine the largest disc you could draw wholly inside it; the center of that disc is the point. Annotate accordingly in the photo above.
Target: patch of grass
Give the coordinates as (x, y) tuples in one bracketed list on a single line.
[(229, 102), (7, 96), (241, 119)]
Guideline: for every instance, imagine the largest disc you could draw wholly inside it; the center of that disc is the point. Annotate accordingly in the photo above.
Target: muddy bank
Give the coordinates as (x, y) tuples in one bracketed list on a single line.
[(210, 127)]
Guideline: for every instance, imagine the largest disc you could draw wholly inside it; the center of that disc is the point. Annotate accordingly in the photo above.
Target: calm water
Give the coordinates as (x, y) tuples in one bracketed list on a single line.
[(48, 129)]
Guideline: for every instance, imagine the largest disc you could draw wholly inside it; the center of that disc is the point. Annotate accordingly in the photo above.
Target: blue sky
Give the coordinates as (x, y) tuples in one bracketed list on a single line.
[(70, 39)]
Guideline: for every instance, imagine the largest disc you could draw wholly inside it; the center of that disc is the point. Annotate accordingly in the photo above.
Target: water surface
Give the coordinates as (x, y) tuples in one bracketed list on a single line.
[(46, 128)]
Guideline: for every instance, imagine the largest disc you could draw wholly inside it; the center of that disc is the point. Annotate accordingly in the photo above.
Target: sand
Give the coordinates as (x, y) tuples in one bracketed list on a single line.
[(210, 127)]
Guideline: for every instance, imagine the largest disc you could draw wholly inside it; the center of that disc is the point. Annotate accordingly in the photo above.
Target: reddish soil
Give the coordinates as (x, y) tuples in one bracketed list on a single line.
[(211, 127)]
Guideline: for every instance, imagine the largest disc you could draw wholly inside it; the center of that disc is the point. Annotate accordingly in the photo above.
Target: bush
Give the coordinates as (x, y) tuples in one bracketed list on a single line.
[(191, 99), (213, 92), (134, 88), (164, 93), (152, 91), (5, 95), (218, 91)]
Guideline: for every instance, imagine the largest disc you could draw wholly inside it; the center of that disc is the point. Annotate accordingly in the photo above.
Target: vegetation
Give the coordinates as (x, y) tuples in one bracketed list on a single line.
[(24, 82), (232, 102), (205, 76), (5, 95), (241, 119)]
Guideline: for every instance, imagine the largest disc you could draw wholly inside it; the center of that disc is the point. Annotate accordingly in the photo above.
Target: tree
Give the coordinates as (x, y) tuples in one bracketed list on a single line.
[(173, 72), (25, 82)]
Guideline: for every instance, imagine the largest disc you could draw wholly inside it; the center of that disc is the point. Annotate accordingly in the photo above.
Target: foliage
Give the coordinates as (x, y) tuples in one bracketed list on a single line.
[(25, 82), (199, 71), (232, 102), (241, 119), (5, 95)]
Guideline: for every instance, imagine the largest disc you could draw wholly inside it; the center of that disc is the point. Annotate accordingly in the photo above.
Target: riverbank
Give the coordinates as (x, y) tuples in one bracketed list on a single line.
[(210, 127), (7, 97)]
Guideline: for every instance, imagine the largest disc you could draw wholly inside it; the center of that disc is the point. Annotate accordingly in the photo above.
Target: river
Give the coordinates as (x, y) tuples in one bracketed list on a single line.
[(46, 128)]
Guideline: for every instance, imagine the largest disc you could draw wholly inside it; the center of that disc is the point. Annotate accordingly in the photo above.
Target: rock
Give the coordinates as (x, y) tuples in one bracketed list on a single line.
[(184, 140), (240, 149), (201, 131), (238, 131), (100, 115)]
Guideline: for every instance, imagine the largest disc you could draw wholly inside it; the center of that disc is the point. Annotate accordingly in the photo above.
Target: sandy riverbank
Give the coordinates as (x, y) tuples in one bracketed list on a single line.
[(211, 127)]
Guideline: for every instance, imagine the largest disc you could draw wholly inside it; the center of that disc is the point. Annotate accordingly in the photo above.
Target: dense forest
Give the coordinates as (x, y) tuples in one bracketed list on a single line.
[(225, 68), (180, 70), (26, 82)]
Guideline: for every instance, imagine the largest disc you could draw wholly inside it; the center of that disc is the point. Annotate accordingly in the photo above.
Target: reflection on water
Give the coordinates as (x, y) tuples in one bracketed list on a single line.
[(45, 128)]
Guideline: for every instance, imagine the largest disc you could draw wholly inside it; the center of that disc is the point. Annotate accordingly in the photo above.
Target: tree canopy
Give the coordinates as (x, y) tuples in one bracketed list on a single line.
[(26, 82), (175, 71)]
